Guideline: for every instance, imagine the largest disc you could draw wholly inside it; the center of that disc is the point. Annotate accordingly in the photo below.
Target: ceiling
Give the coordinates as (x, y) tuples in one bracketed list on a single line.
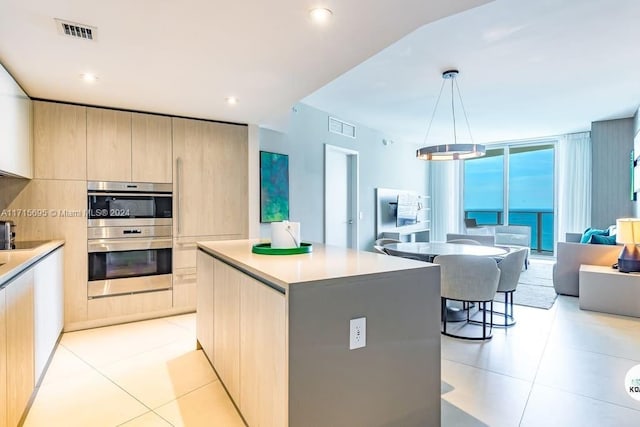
[(184, 58), (528, 69)]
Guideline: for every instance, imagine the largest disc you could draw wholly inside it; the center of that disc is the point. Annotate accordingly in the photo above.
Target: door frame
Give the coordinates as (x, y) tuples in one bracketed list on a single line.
[(353, 160)]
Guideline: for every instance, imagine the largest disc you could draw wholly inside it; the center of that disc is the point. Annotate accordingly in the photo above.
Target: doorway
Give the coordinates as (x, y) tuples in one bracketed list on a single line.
[(341, 172)]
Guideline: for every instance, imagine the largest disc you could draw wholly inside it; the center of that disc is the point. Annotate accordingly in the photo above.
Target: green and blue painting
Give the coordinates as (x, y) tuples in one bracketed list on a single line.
[(274, 187)]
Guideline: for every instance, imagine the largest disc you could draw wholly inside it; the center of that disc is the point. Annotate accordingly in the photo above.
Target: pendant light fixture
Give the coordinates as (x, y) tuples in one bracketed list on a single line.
[(452, 151)]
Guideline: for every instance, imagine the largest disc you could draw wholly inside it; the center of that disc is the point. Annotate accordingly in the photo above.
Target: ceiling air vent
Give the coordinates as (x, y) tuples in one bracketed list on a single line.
[(75, 30), (341, 128)]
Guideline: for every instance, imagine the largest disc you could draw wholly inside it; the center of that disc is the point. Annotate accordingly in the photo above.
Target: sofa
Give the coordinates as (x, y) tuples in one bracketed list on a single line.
[(571, 254)]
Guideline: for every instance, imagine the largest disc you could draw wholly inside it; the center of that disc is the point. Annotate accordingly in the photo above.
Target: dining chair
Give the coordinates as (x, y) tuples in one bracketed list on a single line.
[(464, 242), (379, 249), (385, 241), (510, 268), (468, 279)]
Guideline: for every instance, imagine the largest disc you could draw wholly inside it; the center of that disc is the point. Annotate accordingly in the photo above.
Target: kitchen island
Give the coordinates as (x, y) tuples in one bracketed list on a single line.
[(277, 330)]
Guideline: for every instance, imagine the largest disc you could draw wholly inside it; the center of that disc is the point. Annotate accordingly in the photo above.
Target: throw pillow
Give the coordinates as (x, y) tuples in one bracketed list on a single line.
[(597, 239), (586, 236)]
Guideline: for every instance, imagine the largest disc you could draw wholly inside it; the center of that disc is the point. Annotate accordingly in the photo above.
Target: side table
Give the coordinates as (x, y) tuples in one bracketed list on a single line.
[(605, 289)]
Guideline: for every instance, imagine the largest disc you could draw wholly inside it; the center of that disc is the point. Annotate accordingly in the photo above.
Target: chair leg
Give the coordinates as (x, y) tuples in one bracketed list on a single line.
[(506, 309), (491, 316), (484, 320), (512, 318), (444, 313)]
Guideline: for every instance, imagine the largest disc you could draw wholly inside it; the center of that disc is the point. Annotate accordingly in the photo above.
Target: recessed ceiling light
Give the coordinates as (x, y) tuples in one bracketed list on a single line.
[(88, 77), (320, 15), (231, 100)]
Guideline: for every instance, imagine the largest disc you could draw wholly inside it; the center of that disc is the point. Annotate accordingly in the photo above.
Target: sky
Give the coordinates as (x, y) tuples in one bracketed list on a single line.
[(530, 181)]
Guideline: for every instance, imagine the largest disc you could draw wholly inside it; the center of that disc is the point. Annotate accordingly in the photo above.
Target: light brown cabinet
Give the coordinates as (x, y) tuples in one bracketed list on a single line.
[(151, 156), (263, 355), (108, 145), (226, 327), (210, 179), (3, 359), (65, 202), (59, 141), (20, 345), (204, 313), (210, 188), (241, 326), (130, 147)]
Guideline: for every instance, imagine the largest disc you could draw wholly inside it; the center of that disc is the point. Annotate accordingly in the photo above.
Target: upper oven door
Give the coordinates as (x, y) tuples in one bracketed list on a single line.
[(129, 203)]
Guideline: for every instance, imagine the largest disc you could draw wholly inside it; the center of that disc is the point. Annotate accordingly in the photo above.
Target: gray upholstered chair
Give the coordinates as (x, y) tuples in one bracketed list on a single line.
[(464, 242), (385, 241), (468, 278), (379, 249), (514, 236), (510, 269)]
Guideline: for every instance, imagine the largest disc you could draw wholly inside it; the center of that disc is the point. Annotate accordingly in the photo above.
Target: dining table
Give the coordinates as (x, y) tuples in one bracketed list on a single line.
[(427, 251)]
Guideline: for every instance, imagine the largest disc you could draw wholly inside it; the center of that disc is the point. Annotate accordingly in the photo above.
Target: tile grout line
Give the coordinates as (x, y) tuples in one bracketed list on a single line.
[(153, 410), (535, 376), (96, 369)]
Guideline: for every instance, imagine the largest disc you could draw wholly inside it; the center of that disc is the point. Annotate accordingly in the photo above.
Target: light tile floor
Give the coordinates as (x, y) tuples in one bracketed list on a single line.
[(138, 374), (559, 367)]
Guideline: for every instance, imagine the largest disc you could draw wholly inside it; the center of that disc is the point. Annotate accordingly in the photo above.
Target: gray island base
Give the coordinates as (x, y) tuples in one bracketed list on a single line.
[(277, 331)]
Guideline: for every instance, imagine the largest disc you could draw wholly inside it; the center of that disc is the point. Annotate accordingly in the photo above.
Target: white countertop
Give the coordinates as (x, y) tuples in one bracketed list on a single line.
[(325, 262), (15, 261)]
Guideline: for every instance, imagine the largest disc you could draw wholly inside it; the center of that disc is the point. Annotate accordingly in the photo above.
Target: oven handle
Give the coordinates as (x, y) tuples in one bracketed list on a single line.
[(134, 244), (133, 193)]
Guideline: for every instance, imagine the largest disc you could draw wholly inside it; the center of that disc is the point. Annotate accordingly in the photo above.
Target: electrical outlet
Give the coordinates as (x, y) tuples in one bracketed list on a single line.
[(357, 333)]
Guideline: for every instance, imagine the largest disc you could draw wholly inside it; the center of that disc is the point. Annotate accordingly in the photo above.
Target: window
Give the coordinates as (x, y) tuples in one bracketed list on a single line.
[(513, 185)]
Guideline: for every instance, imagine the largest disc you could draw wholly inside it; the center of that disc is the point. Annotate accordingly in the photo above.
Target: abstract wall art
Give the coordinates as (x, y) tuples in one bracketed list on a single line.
[(274, 187)]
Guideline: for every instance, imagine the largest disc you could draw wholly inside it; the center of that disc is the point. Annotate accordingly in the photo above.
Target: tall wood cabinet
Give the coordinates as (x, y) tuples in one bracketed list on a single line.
[(210, 188), (151, 156), (125, 146), (59, 141), (108, 145)]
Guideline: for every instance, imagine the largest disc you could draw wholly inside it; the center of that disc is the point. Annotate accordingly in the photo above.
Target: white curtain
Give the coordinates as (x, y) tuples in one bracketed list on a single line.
[(573, 175), (446, 198)]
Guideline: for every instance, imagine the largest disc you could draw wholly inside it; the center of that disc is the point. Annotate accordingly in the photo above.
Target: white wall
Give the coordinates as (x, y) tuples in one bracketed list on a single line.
[(388, 166)]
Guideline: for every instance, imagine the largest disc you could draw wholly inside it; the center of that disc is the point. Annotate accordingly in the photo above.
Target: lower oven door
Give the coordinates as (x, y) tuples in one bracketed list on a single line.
[(128, 266)]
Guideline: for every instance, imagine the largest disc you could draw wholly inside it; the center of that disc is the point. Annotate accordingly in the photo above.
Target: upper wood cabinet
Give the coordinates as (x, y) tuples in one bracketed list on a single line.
[(15, 128), (210, 179), (151, 157), (59, 141), (108, 145), (124, 146)]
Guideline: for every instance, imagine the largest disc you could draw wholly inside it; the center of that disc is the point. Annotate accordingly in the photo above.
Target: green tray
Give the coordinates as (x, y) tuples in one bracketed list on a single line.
[(266, 249)]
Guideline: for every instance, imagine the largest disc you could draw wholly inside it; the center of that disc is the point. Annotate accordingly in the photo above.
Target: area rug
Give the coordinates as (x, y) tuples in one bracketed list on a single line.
[(535, 287)]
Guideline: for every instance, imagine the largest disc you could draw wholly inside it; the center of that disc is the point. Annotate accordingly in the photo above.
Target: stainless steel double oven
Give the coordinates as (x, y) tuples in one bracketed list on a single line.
[(129, 238)]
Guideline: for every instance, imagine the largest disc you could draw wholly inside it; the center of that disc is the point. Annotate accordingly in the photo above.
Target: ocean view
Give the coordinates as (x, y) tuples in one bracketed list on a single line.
[(520, 217), (522, 175)]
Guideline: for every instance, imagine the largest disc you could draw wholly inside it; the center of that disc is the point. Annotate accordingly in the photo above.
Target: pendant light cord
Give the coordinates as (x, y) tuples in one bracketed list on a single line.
[(434, 113), (464, 112), (453, 111)]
